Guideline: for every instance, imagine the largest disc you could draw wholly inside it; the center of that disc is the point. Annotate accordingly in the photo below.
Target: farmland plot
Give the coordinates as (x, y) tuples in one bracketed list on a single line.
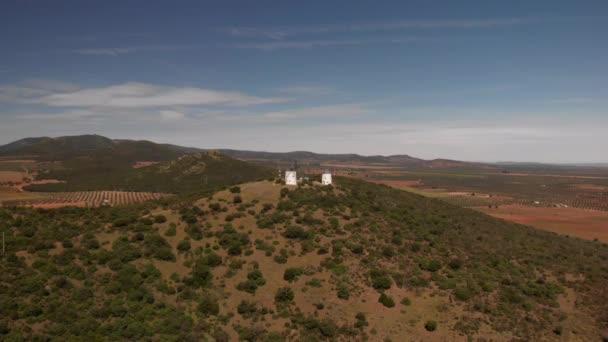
[(86, 199)]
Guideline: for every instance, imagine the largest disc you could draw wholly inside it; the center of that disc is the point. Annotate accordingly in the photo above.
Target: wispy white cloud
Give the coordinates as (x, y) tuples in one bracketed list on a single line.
[(136, 95), (116, 51), (32, 89), (309, 44), (307, 90), (50, 85), (20, 93), (575, 100), (278, 33), (319, 112), (171, 115)]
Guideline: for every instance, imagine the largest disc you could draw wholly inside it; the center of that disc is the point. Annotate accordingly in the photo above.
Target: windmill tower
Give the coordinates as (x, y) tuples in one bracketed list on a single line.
[(326, 178), (291, 177)]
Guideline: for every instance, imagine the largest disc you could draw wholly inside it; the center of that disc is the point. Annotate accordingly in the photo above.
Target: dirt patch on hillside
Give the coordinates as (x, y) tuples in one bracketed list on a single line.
[(140, 164), (586, 224), (12, 176)]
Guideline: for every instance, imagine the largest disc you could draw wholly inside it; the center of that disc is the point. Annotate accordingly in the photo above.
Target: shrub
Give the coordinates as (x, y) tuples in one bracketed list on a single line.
[(212, 260), (284, 192), (157, 247), (388, 251), (232, 240), (183, 246), (430, 325), (343, 291), (314, 282), (248, 286), (171, 231), (361, 320), (292, 273), (430, 265), (208, 306), (201, 275), (280, 259), (386, 300), (381, 280), (284, 295), (455, 264), (237, 200), (296, 232), (257, 277), (254, 280), (215, 207), (235, 190), (406, 301), (462, 293), (246, 308), (160, 219)]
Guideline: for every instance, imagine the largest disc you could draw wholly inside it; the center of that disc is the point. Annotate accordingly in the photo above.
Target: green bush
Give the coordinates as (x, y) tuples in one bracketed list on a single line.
[(184, 246), (284, 295), (381, 280), (361, 320), (343, 291), (430, 325), (157, 247), (284, 192), (208, 306), (462, 293), (296, 232), (160, 219), (292, 273), (246, 309), (386, 300), (430, 265)]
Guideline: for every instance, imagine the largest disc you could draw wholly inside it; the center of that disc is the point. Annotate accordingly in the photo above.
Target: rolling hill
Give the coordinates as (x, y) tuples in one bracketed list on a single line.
[(195, 172), (263, 262), (130, 151), (92, 162)]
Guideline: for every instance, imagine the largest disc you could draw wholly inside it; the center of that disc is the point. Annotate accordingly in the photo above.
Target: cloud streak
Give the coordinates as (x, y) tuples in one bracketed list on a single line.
[(310, 44), (116, 51), (319, 112), (278, 33), (138, 95)]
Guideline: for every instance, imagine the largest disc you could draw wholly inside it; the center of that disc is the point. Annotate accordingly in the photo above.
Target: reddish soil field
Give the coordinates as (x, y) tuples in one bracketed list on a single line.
[(592, 187), (523, 174), (11, 176), (399, 183), (586, 224), (141, 164)]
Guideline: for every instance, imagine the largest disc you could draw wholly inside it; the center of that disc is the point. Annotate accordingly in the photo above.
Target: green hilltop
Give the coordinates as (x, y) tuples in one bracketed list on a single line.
[(264, 262)]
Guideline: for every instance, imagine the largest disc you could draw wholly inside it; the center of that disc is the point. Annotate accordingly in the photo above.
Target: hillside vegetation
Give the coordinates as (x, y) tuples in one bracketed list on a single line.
[(93, 162), (262, 262), (196, 172)]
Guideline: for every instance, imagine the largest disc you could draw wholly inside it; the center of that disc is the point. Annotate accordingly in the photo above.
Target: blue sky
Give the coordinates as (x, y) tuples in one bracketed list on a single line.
[(473, 80)]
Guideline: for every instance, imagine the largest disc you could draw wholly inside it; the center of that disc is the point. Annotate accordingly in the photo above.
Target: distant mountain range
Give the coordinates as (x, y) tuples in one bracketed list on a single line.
[(68, 147)]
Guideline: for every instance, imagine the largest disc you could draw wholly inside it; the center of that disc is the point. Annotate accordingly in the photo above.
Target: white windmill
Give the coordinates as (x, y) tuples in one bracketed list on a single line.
[(326, 178)]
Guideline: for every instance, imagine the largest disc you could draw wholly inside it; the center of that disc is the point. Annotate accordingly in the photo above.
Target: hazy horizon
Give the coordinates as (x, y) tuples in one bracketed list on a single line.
[(317, 152), (473, 81)]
